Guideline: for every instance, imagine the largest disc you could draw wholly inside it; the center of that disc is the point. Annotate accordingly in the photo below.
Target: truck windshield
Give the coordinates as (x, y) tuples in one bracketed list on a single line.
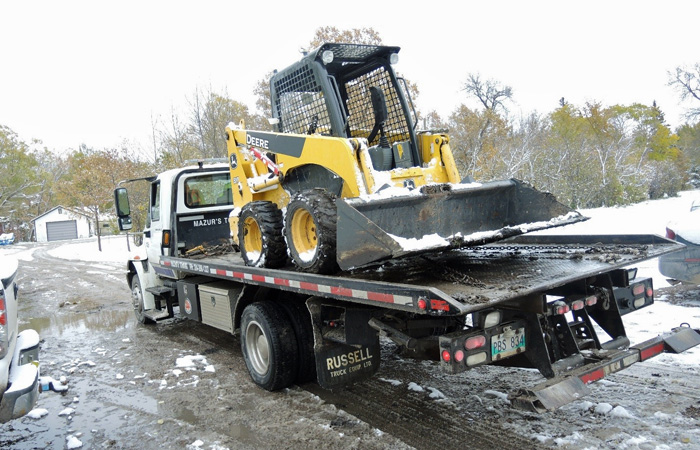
[(208, 190)]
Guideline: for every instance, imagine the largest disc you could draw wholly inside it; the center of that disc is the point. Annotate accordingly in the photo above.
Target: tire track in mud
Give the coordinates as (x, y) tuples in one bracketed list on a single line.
[(419, 422)]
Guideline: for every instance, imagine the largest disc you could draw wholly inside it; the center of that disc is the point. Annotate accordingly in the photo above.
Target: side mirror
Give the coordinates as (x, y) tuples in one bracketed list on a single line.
[(121, 204), (124, 223)]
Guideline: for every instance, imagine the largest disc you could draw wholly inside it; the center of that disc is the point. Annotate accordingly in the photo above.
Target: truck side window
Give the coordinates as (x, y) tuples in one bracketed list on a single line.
[(208, 190), (155, 202)]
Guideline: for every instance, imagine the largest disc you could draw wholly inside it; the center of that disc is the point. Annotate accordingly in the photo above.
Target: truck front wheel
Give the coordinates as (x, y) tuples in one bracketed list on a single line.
[(269, 345), (137, 300)]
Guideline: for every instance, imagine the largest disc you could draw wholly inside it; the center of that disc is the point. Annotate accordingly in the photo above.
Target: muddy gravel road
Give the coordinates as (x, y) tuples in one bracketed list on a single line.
[(179, 384)]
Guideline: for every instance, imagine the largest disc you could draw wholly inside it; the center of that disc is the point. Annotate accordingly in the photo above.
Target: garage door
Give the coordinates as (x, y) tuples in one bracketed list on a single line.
[(58, 231)]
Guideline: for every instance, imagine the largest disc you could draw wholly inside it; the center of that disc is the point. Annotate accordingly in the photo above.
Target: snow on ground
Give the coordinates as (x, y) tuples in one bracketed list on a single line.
[(114, 249)]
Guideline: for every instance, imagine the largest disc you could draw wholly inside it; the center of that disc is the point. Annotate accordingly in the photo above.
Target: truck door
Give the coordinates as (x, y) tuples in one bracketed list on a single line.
[(153, 233)]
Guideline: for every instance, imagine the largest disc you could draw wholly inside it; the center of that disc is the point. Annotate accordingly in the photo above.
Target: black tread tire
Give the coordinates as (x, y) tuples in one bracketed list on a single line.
[(137, 301), (268, 320), (320, 204), (269, 221), (301, 322)]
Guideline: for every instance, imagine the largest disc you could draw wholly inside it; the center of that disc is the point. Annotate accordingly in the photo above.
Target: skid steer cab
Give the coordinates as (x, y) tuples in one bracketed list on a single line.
[(348, 180)]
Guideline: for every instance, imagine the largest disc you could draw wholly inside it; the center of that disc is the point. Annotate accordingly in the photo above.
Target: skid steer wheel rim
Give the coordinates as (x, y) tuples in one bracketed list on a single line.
[(304, 232), (257, 347), (252, 235)]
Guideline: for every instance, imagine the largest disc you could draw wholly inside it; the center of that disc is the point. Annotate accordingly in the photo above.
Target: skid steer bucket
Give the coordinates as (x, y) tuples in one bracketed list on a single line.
[(439, 217)]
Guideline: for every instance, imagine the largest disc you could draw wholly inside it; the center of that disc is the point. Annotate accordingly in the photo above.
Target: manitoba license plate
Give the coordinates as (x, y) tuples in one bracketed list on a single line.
[(507, 343)]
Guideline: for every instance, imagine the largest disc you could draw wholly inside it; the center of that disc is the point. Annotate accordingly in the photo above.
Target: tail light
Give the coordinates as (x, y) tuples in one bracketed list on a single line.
[(4, 341), (560, 308), (670, 234), (577, 304), (475, 342), (446, 355)]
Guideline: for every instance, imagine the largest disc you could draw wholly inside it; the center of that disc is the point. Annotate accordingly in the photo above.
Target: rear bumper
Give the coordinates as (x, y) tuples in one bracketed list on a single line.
[(23, 392), (564, 389)]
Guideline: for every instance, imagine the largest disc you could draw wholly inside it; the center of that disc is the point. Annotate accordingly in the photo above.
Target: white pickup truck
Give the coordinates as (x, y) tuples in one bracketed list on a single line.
[(19, 352)]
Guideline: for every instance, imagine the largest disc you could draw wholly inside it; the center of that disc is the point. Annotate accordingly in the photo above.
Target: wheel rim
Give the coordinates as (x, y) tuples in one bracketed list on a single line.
[(137, 300), (252, 236), (257, 347), (304, 232)]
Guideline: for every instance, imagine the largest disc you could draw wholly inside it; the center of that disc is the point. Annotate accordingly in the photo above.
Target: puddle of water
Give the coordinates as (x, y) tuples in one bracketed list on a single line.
[(234, 430), (80, 322)]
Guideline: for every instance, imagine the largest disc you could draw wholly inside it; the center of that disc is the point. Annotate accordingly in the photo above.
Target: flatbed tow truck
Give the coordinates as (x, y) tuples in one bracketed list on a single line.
[(554, 303), (349, 223)]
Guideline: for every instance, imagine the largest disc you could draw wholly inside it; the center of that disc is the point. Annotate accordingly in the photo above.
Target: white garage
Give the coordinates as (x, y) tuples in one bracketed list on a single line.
[(60, 224)]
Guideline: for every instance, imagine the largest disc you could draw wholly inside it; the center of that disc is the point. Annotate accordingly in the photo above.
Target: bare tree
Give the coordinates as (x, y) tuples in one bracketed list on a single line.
[(490, 93), (687, 82)]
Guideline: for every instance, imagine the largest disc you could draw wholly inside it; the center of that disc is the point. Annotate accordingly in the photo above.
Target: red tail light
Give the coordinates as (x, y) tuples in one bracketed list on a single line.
[(638, 289), (475, 342), (446, 355), (3, 311), (577, 304), (592, 300), (560, 308), (670, 233)]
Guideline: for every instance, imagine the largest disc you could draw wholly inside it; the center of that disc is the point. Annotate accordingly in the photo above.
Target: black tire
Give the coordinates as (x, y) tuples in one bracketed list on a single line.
[(310, 230), (269, 346), (260, 235), (301, 322), (137, 301)]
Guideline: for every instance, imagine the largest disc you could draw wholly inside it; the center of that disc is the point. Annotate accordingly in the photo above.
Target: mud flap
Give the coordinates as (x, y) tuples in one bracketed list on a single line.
[(342, 359), (437, 217), (561, 390)]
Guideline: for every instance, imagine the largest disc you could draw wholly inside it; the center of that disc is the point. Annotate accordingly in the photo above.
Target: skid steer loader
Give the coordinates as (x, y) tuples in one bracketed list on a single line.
[(348, 180)]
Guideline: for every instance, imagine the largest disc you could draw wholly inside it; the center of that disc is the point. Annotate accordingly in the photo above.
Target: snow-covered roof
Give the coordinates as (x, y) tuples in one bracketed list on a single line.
[(73, 211)]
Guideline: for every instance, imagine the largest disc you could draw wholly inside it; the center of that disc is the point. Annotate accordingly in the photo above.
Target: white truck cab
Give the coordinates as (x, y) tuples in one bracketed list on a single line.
[(187, 207)]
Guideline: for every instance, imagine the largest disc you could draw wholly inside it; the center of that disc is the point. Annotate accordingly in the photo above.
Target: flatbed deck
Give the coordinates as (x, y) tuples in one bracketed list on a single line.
[(458, 281)]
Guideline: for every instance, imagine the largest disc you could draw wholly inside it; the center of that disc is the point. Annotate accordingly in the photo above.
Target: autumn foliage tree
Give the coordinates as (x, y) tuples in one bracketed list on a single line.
[(92, 176)]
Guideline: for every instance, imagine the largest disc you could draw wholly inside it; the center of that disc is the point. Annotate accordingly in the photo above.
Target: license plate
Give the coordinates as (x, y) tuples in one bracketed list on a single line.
[(507, 343)]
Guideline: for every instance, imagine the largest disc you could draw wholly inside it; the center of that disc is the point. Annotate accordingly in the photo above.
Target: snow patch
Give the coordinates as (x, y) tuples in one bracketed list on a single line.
[(603, 408), (66, 412), (496, 394), (73, 442), (37, 413), (391, 382), (436, 394), (415, 387)]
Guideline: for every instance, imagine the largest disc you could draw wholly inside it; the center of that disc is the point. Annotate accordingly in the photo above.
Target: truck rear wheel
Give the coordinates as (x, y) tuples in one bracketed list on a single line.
[(310, 229), (269, 345), (260, 235), (301, 322)]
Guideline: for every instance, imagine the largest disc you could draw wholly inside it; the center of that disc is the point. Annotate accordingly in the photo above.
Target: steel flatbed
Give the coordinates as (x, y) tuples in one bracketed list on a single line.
[(454, 282)]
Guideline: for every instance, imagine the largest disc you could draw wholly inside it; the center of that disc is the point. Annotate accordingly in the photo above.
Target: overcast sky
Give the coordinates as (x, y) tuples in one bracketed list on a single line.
[(95, 72)]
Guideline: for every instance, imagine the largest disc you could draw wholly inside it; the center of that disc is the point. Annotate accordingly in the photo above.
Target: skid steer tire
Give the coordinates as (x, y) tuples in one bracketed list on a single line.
[(310, 231), (268, 345), (260, 235)]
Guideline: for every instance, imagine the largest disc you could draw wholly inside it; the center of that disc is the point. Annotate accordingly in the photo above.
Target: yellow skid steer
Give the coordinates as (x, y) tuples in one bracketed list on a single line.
[(348, 180)]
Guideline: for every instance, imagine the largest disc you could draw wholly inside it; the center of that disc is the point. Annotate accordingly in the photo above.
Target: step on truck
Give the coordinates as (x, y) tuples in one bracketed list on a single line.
[(348, 223)]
